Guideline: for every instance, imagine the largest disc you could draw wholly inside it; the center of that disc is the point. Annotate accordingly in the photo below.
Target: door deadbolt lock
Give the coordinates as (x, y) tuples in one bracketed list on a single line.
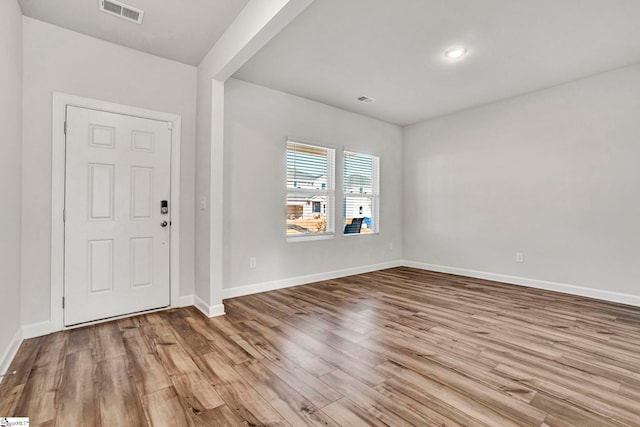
[(164, 223), (164, 207)]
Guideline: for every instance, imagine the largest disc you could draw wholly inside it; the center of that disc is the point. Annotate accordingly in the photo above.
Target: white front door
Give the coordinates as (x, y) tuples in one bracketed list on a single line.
[(118, 171)]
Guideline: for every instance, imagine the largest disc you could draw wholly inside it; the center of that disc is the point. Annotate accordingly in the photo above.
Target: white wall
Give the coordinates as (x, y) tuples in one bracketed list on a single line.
[(202, 175), (553, 174), (257, 123), (10, 175), (60, 60)]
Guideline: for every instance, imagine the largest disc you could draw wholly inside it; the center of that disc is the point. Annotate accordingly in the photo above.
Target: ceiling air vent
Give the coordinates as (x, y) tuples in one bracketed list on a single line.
[(122, 10), (365, 99)]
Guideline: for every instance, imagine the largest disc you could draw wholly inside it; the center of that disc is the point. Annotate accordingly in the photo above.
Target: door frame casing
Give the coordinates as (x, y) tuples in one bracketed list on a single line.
[(58, 170)]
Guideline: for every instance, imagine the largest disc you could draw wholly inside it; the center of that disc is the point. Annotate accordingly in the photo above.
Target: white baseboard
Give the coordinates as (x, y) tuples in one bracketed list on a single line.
[(185, 301), (36, 329), (208, 310), (532, 283), (10, 353), (303, 280)]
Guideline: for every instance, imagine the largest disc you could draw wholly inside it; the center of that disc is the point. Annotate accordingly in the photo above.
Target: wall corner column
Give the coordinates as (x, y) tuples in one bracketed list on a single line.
[(216, 197)]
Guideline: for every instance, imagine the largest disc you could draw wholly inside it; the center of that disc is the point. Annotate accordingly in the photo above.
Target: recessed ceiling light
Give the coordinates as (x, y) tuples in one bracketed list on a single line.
[(455, 52)]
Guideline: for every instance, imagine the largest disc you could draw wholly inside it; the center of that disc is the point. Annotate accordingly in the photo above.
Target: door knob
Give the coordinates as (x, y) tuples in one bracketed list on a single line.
[(164, 223)]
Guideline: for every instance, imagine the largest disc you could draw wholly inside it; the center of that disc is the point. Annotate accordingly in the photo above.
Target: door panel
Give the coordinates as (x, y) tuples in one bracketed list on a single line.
[(141, 192), (101, 192), (100, 265), (118, 171)]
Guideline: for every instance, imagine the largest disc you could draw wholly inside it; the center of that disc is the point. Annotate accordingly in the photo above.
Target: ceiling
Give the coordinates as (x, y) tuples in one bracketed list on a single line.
[(182, 30), (392, 51), (389, 50)]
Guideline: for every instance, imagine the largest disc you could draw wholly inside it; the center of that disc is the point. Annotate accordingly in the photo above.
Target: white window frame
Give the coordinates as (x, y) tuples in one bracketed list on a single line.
[(328, 192), (374, 196)]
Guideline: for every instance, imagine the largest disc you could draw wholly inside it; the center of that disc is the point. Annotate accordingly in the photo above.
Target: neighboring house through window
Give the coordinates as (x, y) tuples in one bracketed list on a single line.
[(361, 193)]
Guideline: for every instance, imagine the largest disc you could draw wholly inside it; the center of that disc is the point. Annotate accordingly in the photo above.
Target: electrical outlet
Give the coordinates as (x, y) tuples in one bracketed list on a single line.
[(203, 203), (519, 257), (390, 246), (253, 263)]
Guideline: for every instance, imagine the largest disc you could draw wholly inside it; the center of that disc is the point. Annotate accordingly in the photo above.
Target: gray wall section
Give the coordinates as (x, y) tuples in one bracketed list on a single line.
[(553, 174), (257, 122), (10, 170)]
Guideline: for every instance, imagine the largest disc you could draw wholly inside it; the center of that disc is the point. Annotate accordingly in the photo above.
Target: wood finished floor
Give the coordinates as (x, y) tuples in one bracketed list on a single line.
[(391, 348)]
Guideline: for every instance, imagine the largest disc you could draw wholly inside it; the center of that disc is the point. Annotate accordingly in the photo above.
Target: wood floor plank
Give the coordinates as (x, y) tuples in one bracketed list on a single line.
[(452, 403), (164, 409), (354, 366), (318, 392), (464, 363), (248, 404), (298, 355), (344, 343), (347, 413), (224, 325), (248, 312), (199, 394), (12, 385), (109, 342), (77, 397), (605, 409), (293, 407), (193, 342), (559, 414), (436, 411), (608, 396), (371, 400), (218, 341), (308, 417), (9, 398), (393, 347), (82, 339), (187, 378), (148, 371), (419, 403), (222, 416), (118, 398), (38, 398)]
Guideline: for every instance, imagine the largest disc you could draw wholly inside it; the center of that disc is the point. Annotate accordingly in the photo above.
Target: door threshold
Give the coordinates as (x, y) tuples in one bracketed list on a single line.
[(122, 316)]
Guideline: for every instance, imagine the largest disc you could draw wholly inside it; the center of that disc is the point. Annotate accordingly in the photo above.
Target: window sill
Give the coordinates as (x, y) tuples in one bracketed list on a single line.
[(303, 238), (373, 233)]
